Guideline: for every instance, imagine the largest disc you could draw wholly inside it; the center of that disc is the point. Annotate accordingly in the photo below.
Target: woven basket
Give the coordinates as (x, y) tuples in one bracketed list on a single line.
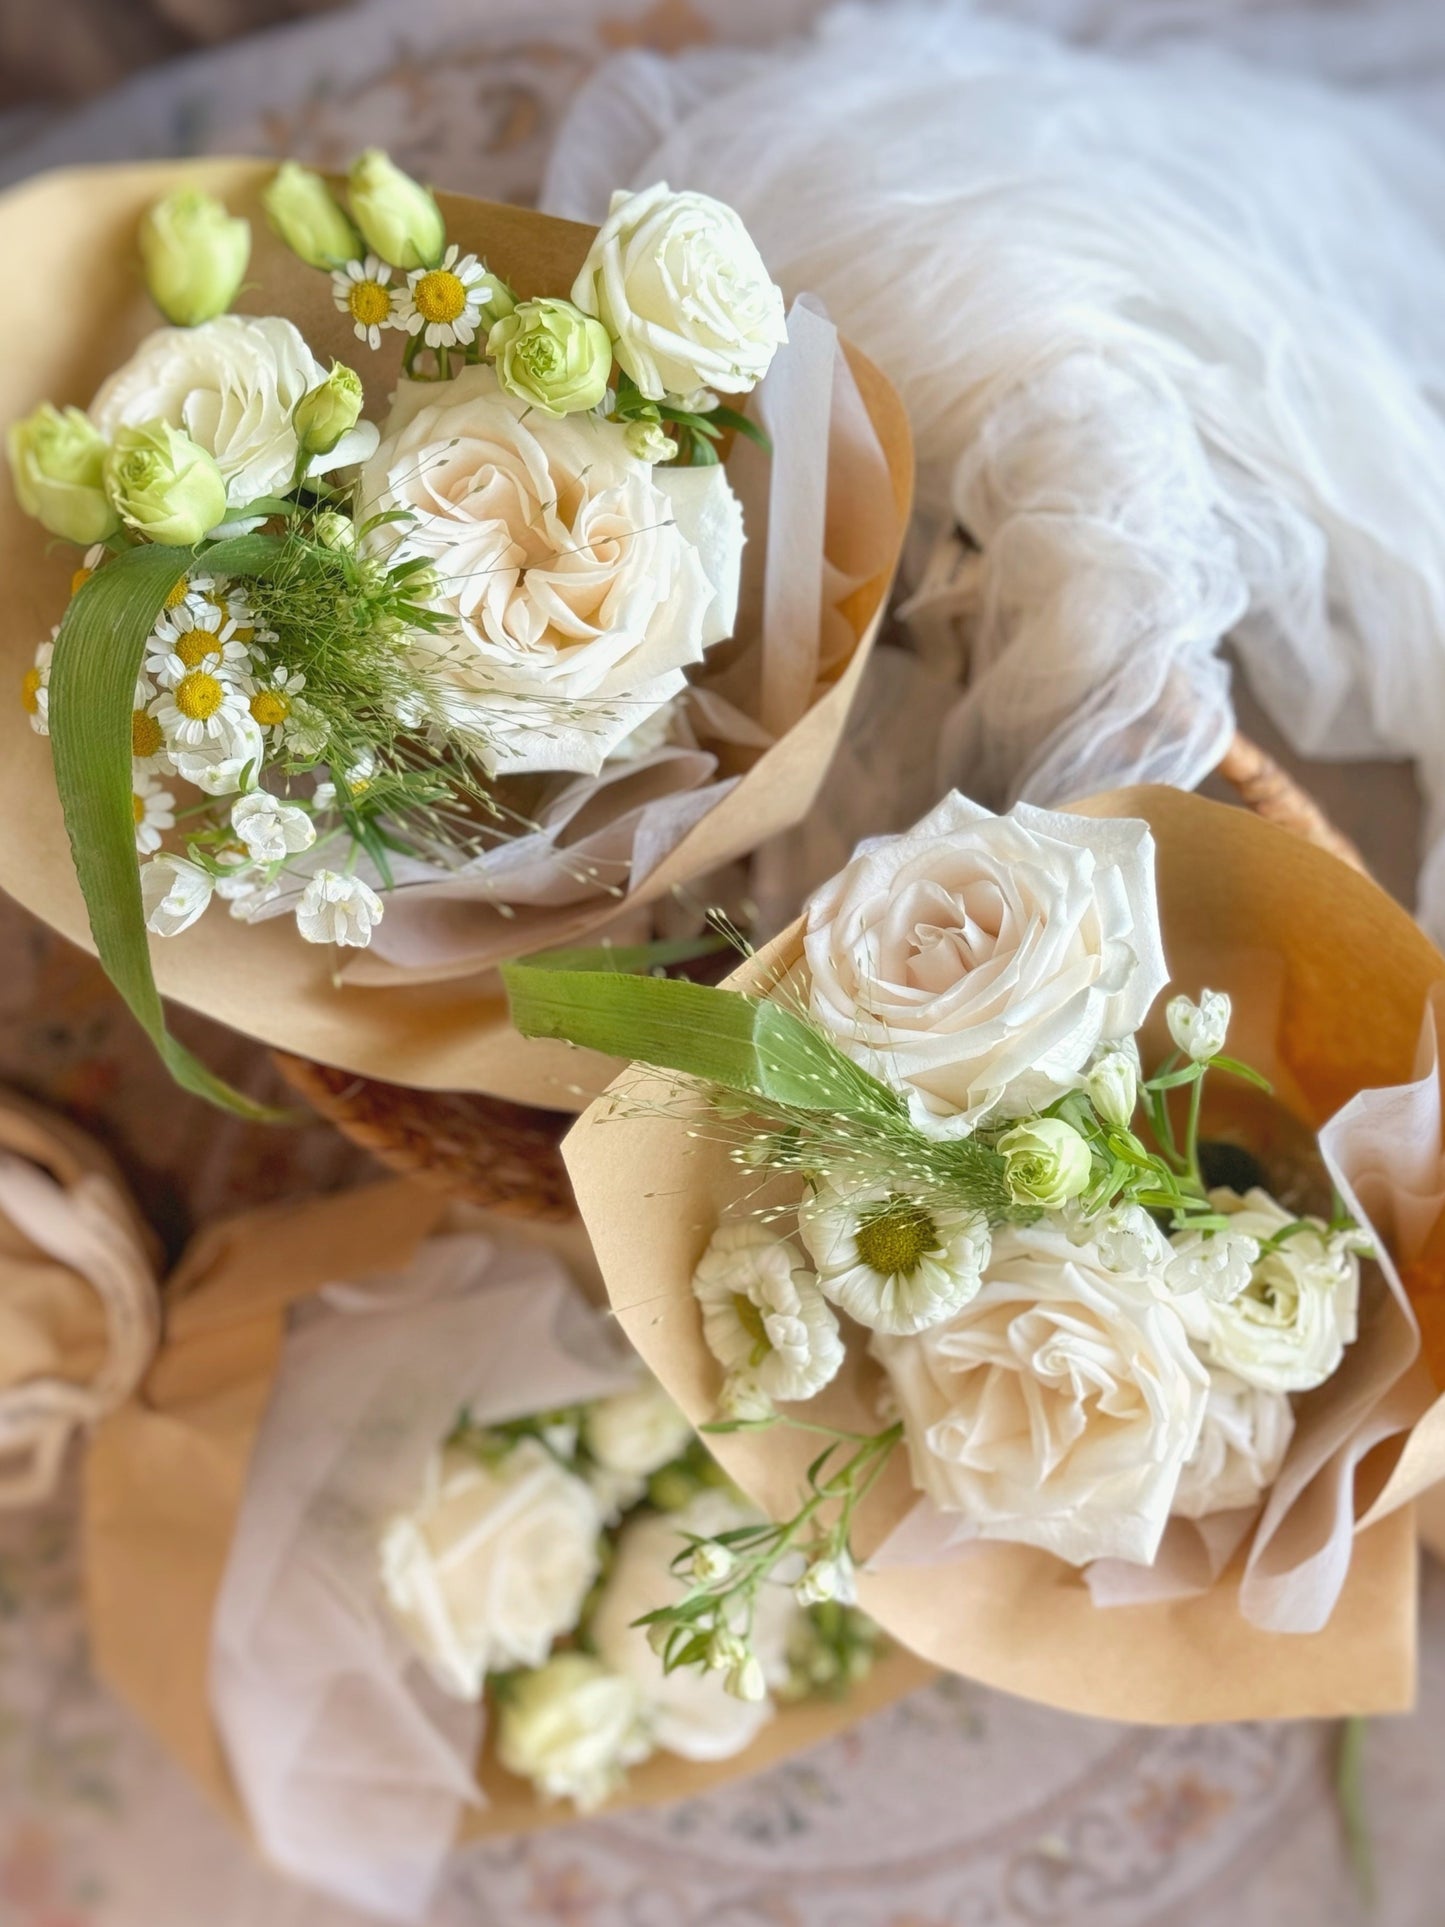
[(507, 1157)]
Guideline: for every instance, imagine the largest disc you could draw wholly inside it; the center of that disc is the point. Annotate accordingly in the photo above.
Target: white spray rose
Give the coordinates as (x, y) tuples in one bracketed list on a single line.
[(1242, 1443), (492, 1565), (1287, 1329), (692, 1713), (1058, 1408), (764, 1319), (583, 581), (572, 1728), (977, 962), (174, 893), (231, 385), (677, 281), (631, 1435)]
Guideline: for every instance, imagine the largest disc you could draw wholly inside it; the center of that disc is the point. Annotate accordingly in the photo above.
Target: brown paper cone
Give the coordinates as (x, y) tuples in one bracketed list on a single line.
[(1356, 972), (76, 230), (167, 1473)]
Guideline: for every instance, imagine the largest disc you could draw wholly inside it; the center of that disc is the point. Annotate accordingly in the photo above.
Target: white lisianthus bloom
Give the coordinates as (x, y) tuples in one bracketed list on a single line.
[(572, 1728), (270, 829), (978, 962), (691, 1712), (1058, 1408), (1199, 1030), (630, 1436), (174, 893), (763, 1317), (1242, 1443), (582, 581), (231, 385), (338, 909), (678, 283), (890, 1263), (1287, 1329), (492, 1564)]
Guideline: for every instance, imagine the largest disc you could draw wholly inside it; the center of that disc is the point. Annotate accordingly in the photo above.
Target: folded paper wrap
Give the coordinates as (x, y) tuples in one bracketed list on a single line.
[(824, 523), (1346, 980)]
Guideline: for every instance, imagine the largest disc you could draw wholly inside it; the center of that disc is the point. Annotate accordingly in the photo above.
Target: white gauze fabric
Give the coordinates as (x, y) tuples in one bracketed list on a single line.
[(1171, 332)]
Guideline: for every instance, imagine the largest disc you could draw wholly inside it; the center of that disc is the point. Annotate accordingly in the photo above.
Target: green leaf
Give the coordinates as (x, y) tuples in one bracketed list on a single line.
[(98, 656), (740, 424), (744, 1043), (1234, 1068), (629, 957)]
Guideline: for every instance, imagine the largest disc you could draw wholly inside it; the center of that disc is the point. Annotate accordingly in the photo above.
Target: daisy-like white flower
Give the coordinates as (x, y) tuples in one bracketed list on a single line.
[(273, 697), (197, 706), (154, 810), (444, 304), (149, 752), (338, 909), (197, 635), (892, 1264), (35, 686), (764, 1319), (362, 289), (94, 556)]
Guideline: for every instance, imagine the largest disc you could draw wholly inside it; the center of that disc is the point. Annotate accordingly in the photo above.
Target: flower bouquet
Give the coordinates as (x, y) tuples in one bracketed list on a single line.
[(1047, 1234), (403, 1526), (345, 710)]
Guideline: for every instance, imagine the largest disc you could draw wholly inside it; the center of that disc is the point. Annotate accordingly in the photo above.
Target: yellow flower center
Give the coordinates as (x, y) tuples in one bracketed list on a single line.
[(176, 594), (145, 733), (30, 687), (79, 580), (195, 645), (369, 302), (439, 296), (270, 707), (199, 696), (896, 1238), (138, 809), (245, 637)]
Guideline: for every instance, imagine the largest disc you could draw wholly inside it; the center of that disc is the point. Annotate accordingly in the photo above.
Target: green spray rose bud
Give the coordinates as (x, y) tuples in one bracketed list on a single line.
[(306, 215), (328, 411), (1046, 1162), (164, 486), (57, 457), (398, 217), (649, 441), (552, 356), (334, 531), (194, 254)]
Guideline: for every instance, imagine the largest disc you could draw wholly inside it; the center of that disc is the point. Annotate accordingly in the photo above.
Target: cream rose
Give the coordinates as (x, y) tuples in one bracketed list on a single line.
[(231, 384), (582, 580), (1242, 1443), (977, 963), (492, 1565), (691, 1713), (572, 1728), (678, 283), (1058, 1407)]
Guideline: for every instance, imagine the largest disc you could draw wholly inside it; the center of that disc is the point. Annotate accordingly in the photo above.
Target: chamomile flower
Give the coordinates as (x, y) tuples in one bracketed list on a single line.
[(894, 1265), (273, 698), (149, 752), (197, 706), (35, 686), (154, 810), (94, 556), (362, 289), (444, 304), (196, 635)]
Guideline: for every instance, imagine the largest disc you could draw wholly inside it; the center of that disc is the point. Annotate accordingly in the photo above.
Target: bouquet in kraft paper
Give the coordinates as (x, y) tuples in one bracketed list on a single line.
[(406, 1495), (440, 584), (1048, 1232)]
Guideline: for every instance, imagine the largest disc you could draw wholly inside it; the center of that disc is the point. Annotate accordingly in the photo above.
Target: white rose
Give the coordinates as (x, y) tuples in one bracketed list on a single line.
[(692, 1713), (231, 384), (492, 1565), (631, 1435), (572, 1728), (582, 580), (1242, 1443), (1287, 1329), (978, 962), (677, 281), (174, 893), (764, 1319), (1058, 1407)]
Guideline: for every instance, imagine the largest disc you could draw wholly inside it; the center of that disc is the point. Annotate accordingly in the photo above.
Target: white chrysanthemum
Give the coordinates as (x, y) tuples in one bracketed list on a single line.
[(35, 687), (444, 304), (174, 892), (338, 909), (1242, 1443), (363, 290), (196, 706), (154, 810), (763, 1317), (270, 829), (890, 1263)]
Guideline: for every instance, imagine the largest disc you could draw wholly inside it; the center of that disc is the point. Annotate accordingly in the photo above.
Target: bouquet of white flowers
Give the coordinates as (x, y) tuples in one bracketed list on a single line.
[(975, 1251), (465, 682)]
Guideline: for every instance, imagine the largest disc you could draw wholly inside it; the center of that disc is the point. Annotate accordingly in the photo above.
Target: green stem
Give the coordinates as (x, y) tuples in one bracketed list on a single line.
[(1350, 1792)]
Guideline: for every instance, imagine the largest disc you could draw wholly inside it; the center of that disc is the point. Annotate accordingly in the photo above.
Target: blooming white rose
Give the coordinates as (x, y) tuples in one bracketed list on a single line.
[(1242, 1443), (1058, 1407), (677, 281), (174, 893), (891, 1264), (977, 962), (572, 1728), (338, 909), (582, 580), (631, 1435), (1287, 1330), (763, 1317), (493, 1563), (270, 829), (231, 385), (692, 1713)]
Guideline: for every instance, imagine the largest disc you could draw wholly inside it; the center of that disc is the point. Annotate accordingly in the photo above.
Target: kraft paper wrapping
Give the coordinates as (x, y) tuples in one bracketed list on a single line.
[(1354, 977), (167, 1475), (76, 229)]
